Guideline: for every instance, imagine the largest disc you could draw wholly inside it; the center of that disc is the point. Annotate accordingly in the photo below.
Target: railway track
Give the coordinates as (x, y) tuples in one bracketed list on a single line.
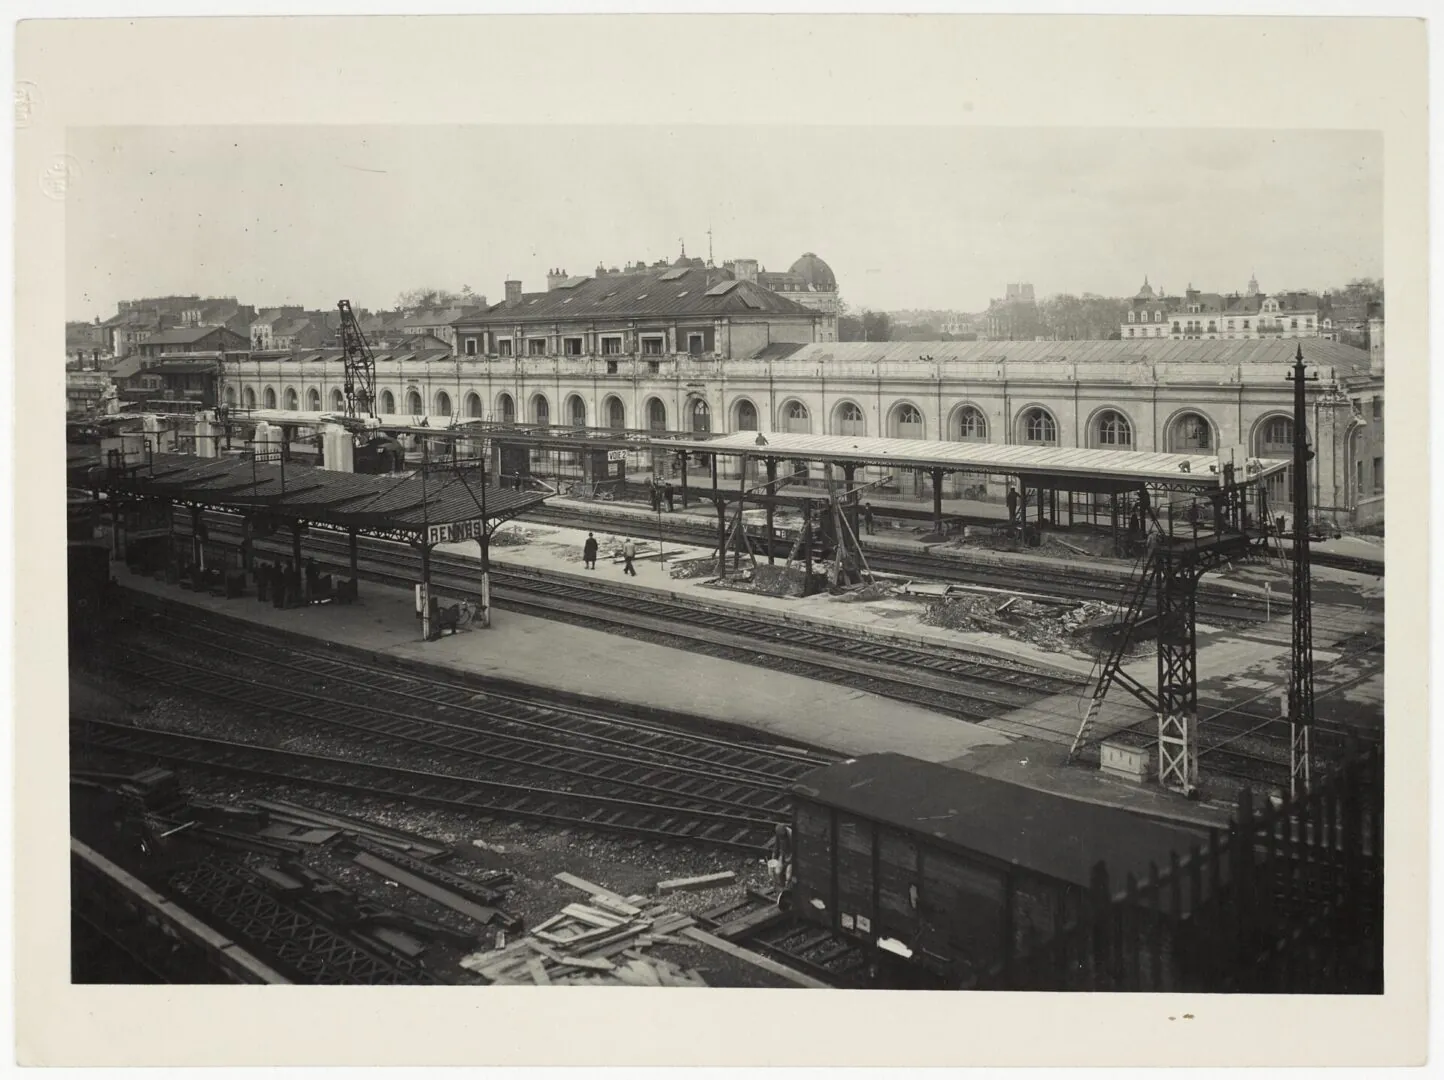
[(970, 685), (492, 753), (1214, 601)]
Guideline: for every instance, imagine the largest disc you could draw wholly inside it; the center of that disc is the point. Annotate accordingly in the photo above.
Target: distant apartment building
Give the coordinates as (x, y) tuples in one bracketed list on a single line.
[(1198, 315)]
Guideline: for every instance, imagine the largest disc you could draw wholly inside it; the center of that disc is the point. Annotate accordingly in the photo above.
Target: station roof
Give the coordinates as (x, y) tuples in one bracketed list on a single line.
[(1061, 465), (405, 503), (1049, 834), (558, 435)]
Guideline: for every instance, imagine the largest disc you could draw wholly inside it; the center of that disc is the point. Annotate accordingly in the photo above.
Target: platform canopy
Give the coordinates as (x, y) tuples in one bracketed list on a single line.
[(443, 506), (558, 436), (1053, 466)]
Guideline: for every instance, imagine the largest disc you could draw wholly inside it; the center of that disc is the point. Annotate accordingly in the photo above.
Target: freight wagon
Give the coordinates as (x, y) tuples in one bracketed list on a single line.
[(948, 871)]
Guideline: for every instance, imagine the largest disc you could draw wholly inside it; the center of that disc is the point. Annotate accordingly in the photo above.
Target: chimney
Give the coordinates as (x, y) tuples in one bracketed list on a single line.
[(601, 270), (513, 293), (1376, 339), (555, 278), (745, 269)]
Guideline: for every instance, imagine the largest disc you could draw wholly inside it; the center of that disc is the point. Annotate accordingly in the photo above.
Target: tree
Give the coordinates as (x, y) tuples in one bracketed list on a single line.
[(431, 298), (849, 328), (876, 326)]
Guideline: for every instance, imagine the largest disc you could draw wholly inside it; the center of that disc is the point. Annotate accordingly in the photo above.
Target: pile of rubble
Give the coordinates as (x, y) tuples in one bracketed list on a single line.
[(1058, 627), (605, 941)]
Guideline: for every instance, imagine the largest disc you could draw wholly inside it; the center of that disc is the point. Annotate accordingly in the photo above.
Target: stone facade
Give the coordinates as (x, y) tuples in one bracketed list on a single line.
[(1207, 396)]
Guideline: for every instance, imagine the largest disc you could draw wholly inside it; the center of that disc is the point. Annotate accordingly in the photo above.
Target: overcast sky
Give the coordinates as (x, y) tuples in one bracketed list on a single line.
[(906, 217)]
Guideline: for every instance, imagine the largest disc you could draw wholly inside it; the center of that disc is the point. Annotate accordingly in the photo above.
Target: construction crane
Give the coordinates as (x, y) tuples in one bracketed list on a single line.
[(359, 372), (376, 452)]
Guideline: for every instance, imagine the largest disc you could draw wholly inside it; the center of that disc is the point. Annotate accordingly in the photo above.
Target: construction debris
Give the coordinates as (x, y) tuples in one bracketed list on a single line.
[(706, 881), (597, 943)]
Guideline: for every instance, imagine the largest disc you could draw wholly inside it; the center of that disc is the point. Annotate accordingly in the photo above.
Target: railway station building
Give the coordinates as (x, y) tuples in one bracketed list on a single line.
[(1194, 396)]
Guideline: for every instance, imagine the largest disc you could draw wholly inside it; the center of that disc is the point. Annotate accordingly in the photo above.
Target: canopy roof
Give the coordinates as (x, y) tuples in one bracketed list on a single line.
[(402, 503), (1056, 464)]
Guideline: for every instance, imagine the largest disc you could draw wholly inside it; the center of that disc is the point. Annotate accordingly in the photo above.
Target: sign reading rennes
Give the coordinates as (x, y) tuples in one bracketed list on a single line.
[(456, 531)]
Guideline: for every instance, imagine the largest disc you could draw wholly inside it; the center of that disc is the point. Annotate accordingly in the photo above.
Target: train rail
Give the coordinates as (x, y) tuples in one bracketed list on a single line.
[(967, 684), (1214, 601), (496, 753)]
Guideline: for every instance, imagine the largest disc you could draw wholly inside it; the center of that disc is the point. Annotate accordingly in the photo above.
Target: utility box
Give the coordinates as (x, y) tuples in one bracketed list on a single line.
[(1126, 762)]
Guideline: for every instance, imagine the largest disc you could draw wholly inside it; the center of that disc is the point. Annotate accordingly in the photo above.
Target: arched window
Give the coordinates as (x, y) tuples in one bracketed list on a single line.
[(746, 416), (850, 420), (656, 415), (270, 398), (907, 422), (1039, 428), (971, 425), (473, 406), (338, 401), (701, 415), (388, 403), (313, 400), (249, 397), (1189, 433), (443, 403), (796, 418), (1131, 317), (230, 395), (413, 403), (1158, 316), (616, 413), (1277, 436), (541, 410), (1274, 438), (576, 411), (1114, 431), (293, 400), (507, 407)]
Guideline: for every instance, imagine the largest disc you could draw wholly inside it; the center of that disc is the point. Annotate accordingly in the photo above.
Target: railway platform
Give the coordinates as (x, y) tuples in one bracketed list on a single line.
[(593, 664)]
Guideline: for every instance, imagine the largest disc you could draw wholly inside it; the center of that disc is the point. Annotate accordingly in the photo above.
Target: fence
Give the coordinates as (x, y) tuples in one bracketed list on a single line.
[(1288, 900)]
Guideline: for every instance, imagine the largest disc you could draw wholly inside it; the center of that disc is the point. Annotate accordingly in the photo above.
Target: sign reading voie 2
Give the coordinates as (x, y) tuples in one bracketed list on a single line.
[(455, 532)]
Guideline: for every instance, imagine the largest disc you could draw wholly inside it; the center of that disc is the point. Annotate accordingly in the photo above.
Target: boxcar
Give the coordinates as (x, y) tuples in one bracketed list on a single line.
[(949, 870)]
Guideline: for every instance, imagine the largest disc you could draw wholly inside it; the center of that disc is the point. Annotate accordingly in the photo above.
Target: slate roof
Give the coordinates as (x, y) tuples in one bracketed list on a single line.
[(187, 336), (1318, 352), (640, 295)]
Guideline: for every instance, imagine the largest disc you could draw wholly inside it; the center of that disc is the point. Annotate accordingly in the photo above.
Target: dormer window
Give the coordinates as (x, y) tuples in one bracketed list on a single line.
[(1130, 316)]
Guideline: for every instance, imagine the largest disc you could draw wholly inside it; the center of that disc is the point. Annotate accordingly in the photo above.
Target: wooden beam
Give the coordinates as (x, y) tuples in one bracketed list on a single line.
[(755, 959)]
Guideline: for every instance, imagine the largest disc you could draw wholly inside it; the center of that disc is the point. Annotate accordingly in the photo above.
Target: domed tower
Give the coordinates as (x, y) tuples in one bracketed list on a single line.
[(821, 295), (815, 272)]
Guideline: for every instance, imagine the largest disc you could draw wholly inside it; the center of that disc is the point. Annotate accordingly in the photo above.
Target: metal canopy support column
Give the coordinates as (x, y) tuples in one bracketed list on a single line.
[(197, 554), (425, 591), (937, 476), (771, 506), (849, 474), (355, 573), (682, 460)]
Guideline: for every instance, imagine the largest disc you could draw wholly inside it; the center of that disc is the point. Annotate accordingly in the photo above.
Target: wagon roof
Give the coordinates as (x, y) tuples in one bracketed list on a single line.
[(1048, 834)]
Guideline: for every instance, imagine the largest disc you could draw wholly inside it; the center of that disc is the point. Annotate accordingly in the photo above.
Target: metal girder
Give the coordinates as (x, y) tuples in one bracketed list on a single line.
[(314, 952), (1177, 671)]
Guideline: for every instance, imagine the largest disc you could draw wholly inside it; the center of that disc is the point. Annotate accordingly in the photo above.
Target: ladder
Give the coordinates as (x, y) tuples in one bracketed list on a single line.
[(1113, 668)]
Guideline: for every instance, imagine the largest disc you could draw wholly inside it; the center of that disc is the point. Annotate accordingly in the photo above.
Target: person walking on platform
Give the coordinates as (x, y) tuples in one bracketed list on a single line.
[(629, 552), (1012, 505), (867, 517), (671, 498), (1143, 505), (589, 552)]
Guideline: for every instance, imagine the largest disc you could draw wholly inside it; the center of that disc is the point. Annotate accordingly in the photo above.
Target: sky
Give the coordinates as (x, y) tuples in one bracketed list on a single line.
[(925, 217)]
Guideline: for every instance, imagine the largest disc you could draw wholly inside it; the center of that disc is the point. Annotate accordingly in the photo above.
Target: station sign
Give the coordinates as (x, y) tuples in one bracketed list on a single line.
[(455, 532), (616, 455)]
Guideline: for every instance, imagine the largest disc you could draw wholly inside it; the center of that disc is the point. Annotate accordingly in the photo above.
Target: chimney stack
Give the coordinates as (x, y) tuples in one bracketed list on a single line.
[(555, 278), (513, 293)]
